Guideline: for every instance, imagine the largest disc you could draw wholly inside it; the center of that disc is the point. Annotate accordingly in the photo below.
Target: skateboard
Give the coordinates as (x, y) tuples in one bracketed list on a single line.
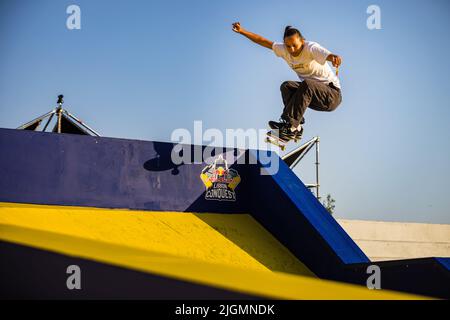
[(273, 138)]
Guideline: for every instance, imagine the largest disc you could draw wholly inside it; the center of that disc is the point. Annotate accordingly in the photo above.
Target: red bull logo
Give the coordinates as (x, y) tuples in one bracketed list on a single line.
[(220, 181)]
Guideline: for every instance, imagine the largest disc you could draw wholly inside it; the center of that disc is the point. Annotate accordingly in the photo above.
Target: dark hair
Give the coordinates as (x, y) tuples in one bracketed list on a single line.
[(290, 31)]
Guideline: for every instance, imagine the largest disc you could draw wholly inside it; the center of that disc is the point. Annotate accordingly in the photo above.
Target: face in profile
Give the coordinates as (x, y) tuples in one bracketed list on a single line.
[(293, 44)]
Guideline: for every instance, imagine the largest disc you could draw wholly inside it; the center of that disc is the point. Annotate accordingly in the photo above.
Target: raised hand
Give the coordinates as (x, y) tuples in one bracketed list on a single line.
[(237, 27)]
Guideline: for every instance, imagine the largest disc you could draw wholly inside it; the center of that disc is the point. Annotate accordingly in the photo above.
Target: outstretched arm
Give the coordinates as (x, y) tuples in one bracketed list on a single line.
[(252, 36)]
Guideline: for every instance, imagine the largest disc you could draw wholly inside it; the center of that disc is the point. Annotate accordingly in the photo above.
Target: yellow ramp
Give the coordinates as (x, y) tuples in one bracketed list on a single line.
[(231, 239), (231, 252)]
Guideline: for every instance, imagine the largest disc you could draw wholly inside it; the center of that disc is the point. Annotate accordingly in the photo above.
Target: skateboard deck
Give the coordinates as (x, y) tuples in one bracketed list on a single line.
[(273, 138)]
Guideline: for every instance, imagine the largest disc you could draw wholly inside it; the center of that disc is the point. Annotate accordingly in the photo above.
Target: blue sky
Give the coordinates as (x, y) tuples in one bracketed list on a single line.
[(140, 69)]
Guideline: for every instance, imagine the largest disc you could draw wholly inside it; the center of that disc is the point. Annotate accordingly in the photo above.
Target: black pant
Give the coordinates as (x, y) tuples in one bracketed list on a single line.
[(297, 96)]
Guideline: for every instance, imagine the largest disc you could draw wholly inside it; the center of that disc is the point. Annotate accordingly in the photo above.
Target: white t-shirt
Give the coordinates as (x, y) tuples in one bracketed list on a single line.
[(311, 63)]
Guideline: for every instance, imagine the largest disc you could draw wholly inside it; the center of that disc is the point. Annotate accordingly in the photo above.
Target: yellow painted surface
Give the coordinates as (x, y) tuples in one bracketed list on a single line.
[(275, 285), (230, 239)]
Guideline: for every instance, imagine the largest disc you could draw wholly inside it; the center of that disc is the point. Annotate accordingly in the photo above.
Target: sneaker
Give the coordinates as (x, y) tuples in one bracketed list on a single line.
[(281, 134), (278, 125), (284, 131), (287, 134), (281, 123)]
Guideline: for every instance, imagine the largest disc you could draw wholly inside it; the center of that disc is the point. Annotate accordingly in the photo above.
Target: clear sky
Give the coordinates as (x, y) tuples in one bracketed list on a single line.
[(140, 69)]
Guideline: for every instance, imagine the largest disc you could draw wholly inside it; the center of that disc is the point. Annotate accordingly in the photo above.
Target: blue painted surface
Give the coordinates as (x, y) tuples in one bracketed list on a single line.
[(284, 206), (445, 262), (66, 169), (307, 207)]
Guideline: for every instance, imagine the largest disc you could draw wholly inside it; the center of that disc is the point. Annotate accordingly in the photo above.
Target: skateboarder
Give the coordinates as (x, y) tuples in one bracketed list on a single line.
[(319, 88)]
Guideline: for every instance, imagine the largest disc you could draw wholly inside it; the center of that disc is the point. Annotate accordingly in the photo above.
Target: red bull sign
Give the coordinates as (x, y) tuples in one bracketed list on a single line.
[(220, 181)]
